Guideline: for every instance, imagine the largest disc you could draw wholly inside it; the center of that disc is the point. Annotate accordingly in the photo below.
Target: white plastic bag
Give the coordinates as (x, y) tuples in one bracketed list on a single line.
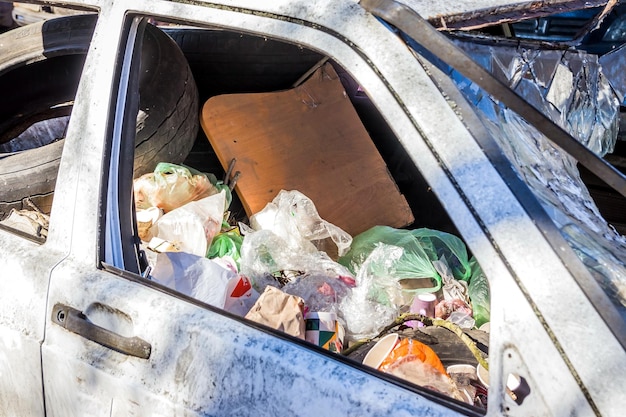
[(192, 275), (240, 296), (191, 228)]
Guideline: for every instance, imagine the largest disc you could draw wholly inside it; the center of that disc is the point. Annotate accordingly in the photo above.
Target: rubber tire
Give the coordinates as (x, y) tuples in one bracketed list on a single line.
[(40, 66)]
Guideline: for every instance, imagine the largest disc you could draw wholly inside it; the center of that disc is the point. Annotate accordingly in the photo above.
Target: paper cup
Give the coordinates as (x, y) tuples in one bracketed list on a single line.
[(322, 329), (483, 375), (469, 370), (423, 304), (380, 351)]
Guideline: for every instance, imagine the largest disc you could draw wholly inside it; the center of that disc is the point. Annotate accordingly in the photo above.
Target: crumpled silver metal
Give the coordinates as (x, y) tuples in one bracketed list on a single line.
[(582, 94)]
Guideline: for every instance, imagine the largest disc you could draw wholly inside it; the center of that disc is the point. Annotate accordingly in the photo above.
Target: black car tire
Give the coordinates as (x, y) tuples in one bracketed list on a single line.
[(40, 66)]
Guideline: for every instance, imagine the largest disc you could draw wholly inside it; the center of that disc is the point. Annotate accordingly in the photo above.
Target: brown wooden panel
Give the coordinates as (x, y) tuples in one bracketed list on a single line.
[(309, 139)]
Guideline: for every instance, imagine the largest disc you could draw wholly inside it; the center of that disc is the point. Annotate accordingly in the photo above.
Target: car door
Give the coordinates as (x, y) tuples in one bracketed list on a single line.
[(23, 289), (117, 344)]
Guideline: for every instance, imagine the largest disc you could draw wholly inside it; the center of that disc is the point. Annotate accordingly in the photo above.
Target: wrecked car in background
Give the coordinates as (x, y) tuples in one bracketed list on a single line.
[(305, 209)]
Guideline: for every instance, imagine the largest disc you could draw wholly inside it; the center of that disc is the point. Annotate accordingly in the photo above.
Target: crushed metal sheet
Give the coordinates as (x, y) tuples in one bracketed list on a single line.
[(475, 14), (572, 89)]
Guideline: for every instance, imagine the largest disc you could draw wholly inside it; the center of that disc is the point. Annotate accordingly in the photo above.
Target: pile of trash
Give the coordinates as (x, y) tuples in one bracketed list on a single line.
[(293, 271)]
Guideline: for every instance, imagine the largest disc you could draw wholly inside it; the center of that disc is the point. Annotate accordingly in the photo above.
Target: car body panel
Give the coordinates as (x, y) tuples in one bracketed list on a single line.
[(473, 14), (23, 295)]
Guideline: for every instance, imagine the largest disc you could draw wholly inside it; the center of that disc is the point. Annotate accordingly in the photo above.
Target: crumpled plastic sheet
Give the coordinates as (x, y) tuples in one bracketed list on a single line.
[(571, 88)]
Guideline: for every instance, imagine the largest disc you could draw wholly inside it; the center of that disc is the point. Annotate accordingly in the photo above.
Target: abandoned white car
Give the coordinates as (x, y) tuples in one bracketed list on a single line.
[(289, 208)]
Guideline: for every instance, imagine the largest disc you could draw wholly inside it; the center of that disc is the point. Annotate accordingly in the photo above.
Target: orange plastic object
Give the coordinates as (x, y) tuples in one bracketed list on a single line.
[(411, 349)]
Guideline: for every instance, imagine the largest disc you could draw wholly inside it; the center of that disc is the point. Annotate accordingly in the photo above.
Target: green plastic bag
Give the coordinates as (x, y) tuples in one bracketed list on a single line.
[(478, 289), (377, 248), (439, 244), (226, 244), (420, 247)]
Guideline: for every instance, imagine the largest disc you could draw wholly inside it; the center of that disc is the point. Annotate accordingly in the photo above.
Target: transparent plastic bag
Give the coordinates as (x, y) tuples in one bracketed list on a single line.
[(319, 292), (171, 186), (268, 259), (293, 217), (364, 313), (282, 243)]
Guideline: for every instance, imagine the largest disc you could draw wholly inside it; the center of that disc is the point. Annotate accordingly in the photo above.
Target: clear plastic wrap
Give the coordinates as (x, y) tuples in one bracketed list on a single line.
[(281, 247), (362, 309), (293, 217)]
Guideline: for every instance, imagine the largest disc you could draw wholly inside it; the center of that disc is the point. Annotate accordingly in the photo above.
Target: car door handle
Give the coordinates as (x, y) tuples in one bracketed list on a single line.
[(75, 321)]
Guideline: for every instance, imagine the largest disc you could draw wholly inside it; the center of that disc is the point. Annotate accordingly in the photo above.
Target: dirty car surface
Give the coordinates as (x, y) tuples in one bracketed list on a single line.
[(86, 329)]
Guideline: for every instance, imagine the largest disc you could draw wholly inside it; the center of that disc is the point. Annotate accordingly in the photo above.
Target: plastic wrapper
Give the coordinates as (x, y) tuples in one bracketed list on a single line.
[(478, 289), (425, 375), (171, 186), (418, 363), (456, 311), (412, 350), (31, 222), (445, 308), (191, 228), (455, 306), (452, 288)]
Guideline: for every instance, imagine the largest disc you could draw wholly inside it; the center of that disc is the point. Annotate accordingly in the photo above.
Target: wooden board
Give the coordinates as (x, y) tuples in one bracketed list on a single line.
[(309, 139)]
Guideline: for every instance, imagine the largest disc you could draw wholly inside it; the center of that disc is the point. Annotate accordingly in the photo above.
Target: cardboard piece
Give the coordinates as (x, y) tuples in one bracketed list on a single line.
[(308, 139)]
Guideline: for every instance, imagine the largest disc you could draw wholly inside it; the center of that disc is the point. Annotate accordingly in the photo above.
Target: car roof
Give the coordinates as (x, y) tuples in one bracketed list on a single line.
[(469, 14)]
